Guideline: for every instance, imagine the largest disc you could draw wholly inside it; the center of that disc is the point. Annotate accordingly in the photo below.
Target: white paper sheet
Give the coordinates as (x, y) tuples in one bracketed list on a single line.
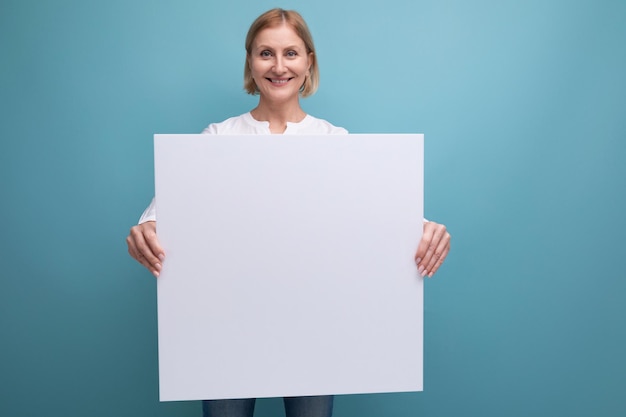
[(289, 266)]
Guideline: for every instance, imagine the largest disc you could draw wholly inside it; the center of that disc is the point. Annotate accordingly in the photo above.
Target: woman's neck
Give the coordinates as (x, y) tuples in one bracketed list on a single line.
[(278, 115)]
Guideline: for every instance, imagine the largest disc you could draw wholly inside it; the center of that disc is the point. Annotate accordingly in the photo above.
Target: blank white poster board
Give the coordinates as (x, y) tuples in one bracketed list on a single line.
[(289, 265)]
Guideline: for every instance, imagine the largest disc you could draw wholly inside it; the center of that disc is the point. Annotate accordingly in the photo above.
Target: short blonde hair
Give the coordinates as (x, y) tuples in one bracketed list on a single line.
[(273, 18)]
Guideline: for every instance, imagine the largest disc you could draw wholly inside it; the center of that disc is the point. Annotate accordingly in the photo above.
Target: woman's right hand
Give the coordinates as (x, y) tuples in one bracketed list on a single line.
[(144, 246)]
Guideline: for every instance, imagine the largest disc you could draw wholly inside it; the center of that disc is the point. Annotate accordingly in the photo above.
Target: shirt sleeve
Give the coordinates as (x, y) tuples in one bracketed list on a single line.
[(149, 214), (210, 129)]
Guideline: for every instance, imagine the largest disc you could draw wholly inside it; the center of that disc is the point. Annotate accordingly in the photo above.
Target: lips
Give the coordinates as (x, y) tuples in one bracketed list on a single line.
[(279, 81)]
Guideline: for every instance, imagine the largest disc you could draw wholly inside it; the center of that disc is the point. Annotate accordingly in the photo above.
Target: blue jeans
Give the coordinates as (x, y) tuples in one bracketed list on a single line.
[(320, 406)]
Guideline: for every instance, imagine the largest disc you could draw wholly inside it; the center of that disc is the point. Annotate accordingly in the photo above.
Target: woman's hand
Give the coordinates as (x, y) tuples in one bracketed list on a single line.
[(433, 249), (144, 246)]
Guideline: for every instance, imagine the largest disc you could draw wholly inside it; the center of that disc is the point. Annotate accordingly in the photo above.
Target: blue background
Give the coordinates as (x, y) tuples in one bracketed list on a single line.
[(523, 104)]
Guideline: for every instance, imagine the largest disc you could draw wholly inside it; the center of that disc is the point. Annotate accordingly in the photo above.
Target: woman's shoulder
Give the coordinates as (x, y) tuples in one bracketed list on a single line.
[(244, 123)]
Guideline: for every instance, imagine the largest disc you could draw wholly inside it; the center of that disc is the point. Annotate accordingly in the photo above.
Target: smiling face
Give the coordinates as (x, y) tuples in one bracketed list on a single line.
[(279, 64)]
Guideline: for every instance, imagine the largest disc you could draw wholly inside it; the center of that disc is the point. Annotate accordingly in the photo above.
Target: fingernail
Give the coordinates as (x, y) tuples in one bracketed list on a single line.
[(155, 273), (157, 267), (421, 271), (417, 261), (161, 257)]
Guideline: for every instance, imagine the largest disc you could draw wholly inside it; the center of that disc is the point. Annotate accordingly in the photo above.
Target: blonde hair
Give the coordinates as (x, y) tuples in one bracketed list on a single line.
[(273, 18)]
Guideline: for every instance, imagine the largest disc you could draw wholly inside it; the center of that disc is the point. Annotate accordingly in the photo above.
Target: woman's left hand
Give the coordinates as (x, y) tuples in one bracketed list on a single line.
[(433, 249)]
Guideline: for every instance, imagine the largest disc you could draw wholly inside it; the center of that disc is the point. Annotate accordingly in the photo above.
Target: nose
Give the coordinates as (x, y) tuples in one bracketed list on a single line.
[(279, 65)]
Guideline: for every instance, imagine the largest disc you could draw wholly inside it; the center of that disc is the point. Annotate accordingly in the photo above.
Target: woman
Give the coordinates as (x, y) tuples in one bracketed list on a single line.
[(281, 66)]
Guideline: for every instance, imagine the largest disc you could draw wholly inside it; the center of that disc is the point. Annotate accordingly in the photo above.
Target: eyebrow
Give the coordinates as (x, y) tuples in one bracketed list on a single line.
[(287, 47)]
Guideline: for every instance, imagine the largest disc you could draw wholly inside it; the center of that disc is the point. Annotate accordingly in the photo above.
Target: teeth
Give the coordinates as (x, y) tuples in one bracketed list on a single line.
[(279, 81)]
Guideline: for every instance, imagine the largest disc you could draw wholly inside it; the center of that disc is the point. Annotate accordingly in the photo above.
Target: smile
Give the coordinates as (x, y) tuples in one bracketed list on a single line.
[(279, 80)]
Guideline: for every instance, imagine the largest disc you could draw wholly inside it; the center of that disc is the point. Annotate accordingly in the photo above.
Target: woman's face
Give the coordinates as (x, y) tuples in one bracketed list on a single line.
[(279, 63)]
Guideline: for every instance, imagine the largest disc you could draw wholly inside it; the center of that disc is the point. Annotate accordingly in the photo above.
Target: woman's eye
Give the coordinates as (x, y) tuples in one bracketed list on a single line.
[(266, 54), (291, 53)]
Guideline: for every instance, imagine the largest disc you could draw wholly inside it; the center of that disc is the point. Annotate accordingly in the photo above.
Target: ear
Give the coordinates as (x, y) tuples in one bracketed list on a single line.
[(311, 62)]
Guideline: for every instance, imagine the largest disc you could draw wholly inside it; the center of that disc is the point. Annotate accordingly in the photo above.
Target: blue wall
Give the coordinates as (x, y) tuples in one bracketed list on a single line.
[(523, 104)]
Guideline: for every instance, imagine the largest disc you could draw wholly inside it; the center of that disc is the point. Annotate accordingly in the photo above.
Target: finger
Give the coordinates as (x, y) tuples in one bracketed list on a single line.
[(149, 231), (433, 234), (132, 250), (140, 249), (142, 239), (422, 248), (437, 251), (143, 261), (439, 262)]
